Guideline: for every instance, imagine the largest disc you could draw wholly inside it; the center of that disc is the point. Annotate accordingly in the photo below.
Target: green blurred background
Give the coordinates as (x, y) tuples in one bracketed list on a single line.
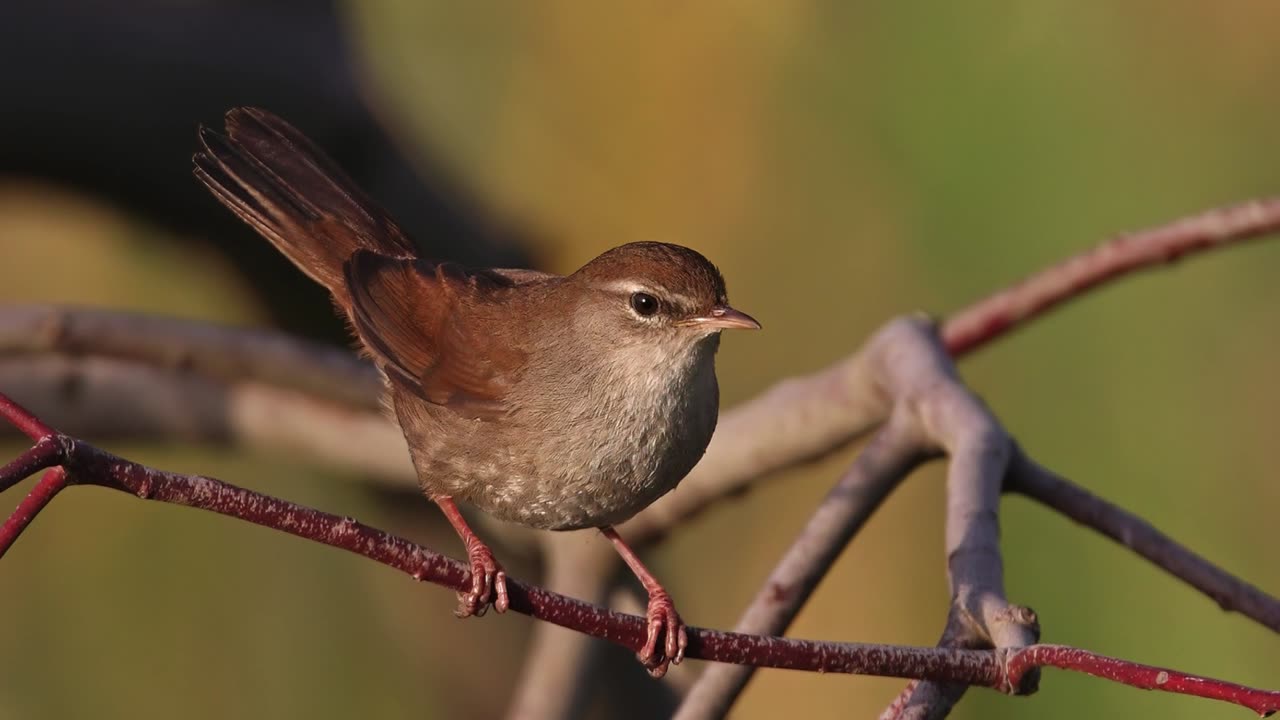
[(843, 163)]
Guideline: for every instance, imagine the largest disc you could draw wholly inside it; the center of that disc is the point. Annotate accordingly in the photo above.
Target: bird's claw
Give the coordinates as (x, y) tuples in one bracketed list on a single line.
[(664, 623), (488, 584)]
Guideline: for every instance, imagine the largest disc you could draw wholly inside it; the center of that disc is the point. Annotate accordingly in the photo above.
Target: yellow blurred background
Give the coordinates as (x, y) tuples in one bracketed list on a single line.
[(842, 163)]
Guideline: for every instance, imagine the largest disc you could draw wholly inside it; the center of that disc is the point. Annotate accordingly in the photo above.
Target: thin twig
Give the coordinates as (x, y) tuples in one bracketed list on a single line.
[(27, 423), (49, 485), (997, 314), (1022, 661), (1231, 593)]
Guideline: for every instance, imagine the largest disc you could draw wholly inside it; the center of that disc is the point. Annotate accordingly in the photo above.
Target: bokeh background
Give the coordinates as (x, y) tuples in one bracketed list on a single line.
[(842, 162)]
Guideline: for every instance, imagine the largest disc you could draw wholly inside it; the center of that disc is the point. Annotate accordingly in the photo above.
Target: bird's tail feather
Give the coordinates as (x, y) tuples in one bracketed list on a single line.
[(297, 197)]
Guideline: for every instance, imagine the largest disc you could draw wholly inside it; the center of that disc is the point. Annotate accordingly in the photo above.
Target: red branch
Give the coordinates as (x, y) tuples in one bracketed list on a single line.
[(45, 453), (997, 314), (51, 484), (88, 465), (1146, 677), (22, 419)]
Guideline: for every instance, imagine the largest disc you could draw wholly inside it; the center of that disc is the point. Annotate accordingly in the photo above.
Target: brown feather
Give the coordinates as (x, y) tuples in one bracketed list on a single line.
[(545, 400), (418, 318), (287, 189)]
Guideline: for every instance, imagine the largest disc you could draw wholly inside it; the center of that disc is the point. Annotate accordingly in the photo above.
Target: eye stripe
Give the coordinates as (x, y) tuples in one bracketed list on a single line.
[(628, 288)]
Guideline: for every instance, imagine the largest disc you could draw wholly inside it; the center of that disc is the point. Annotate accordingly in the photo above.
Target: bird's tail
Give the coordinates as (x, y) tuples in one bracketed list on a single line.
[(297, 197)]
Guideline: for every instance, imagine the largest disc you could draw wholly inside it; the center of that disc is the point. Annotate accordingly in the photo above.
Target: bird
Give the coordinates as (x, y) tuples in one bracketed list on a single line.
[(554, 402)]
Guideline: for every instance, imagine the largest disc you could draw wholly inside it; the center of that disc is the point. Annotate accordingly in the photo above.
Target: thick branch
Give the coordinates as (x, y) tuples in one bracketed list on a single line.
[(212, 351), (932, 411), (85, 396)]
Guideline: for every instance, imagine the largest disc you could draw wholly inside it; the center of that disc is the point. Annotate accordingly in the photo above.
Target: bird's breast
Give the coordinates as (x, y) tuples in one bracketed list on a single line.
[(595, 448)]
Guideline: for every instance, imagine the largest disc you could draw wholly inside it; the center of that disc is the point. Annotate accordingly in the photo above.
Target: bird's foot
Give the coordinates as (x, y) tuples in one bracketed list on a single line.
[(667, 637), (488, 579), (488, 583)]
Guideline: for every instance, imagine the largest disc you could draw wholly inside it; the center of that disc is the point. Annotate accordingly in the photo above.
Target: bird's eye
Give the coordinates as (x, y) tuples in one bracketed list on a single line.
[(644, 304)]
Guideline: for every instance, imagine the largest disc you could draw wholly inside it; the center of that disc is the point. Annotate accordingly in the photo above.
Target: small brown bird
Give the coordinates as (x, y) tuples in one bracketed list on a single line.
[(556, 402)]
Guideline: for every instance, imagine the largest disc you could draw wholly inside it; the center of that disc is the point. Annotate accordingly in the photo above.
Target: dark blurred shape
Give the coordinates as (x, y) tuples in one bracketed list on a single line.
[(106, 98)]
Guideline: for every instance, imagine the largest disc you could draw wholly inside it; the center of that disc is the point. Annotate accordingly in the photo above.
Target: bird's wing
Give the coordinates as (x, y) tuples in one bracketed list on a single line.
[(418, 318)]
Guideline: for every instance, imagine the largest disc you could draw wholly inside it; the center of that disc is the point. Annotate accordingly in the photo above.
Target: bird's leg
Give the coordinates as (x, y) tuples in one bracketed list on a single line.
[(664, 621), (488, 579)]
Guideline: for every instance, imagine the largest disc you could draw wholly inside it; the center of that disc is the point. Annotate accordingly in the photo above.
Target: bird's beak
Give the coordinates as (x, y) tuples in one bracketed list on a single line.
[(723, 317)]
